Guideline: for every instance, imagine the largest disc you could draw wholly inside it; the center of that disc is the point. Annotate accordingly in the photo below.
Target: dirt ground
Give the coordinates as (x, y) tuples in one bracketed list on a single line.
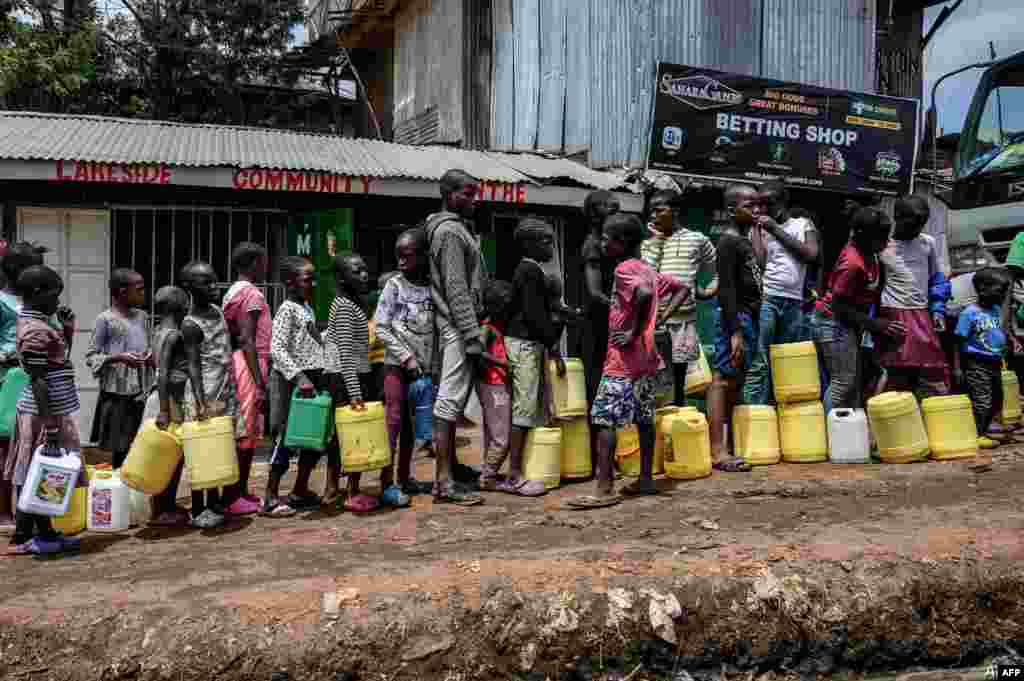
[(791, 569)]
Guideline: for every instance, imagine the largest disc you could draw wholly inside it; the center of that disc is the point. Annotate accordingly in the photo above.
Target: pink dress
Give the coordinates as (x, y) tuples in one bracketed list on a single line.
[(241, 299)]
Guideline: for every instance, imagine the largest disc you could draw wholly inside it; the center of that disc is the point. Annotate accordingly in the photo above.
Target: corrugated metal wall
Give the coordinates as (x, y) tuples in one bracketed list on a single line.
[(429, 66), (572, 75)]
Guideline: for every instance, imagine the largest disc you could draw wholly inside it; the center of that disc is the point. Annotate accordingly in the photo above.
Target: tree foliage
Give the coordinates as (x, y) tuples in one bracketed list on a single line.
[(223, 61)]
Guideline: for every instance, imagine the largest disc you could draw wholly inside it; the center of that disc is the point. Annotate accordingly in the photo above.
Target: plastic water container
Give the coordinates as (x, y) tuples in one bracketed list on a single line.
[(898, 427), (14, 384), (309, 422), (952, 433), (153, 458), (109, 507), (542, 456), (576, 448), (755, 431), (50, 483), (795, 373), (802, 432), (1011, 399), (688, 445), (698, 374), (848, 436), (362, 438), (210, 452), (662, 439), (74, 521), (627, 450), (569, 392)]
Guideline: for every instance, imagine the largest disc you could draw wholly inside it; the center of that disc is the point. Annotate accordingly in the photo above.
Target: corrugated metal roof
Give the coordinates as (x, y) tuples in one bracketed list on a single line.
[(51, 137)]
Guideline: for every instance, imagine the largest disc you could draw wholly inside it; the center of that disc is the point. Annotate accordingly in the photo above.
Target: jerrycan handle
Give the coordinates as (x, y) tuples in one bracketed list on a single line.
[(843, 413)]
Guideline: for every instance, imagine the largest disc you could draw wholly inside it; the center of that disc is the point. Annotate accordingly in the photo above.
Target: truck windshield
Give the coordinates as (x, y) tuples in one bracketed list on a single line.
[(994, 131)]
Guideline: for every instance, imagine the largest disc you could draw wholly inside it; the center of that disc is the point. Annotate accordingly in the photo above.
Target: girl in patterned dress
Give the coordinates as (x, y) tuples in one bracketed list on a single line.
[(210, 391), (48, 405)]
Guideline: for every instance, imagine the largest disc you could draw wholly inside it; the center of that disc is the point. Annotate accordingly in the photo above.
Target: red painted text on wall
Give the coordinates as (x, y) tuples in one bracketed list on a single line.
[(298, 181), (111, 173)]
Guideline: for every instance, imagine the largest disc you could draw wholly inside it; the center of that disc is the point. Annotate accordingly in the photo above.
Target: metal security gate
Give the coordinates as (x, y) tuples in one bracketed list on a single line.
[(157, 241)]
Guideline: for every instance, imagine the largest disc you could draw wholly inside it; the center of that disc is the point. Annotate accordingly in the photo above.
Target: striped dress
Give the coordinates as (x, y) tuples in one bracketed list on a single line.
[(42, 347), (347, 345)]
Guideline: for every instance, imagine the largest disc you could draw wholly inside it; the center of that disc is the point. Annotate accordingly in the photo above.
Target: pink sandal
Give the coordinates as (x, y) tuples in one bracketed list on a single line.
[(243, 506), (362, 503)]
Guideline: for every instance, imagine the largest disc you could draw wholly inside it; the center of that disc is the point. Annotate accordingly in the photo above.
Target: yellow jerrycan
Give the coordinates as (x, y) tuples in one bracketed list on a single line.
[(795, 374), (698, 374), (627, 451), (542, 456), (74, 521), (803, 433), (576, 448), (210, 452), (569, 392), (661, 440), (362, 438), (952, 432), (1011, 399), (153, 457), (755, 430), (898, 427), (688, 445)]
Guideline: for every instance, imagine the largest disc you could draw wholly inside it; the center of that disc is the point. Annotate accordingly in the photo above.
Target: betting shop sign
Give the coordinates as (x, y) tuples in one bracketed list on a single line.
[(734, 127)]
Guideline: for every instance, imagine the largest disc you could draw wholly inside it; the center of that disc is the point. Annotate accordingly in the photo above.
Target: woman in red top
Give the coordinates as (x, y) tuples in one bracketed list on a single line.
[(844, 313)]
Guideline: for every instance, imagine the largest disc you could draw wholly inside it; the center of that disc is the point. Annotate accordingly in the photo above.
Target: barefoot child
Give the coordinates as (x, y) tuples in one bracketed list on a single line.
[(494, 386), (119, 357), (165, 404), (47, 407), (298, 362), (16, 260), (405, 323), (249, 322), (626, 393), (210, 391), (979, 362), (347, 364), (531, 334)]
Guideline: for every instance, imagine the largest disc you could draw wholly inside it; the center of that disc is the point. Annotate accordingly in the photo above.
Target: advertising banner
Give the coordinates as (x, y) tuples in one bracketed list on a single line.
[(734, 127)]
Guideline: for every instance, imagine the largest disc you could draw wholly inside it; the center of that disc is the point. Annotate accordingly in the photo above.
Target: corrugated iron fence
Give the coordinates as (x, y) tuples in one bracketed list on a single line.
[(576, 75)]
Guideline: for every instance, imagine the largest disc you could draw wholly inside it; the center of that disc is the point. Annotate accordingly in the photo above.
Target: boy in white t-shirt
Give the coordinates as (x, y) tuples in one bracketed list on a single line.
[(787, 245)]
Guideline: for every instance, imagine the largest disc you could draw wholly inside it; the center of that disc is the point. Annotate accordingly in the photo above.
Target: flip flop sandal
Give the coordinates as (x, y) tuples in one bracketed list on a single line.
[(277, 509), (394, 497), (332, 499), (242, 506), (36, 547), (452, 494), (414, 487), (733, 466), (304, 502), (637, 489), (587, 502), (522, 488), (362, 503)]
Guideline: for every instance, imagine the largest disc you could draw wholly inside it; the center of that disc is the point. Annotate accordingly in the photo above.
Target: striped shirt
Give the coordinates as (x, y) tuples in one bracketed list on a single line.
[(42, 347), (682, 255), (293, 347), (347, 344)]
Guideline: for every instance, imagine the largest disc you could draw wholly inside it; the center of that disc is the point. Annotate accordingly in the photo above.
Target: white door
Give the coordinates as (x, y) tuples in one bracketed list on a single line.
[(79, 245)]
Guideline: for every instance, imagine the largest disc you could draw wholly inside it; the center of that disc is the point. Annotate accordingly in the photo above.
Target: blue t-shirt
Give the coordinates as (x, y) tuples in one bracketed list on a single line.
[(980, 331)]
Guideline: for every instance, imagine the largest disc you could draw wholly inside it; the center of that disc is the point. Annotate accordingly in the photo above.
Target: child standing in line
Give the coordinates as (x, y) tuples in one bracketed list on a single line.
[(531, 333), (494, 386), (405, 323), (298, 362), (626, 394), (165, 404), (249, 322), (377, 349), (16, 260), (210, 391), (120, 357), (47, 407), (346, 349), (979, 363)]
